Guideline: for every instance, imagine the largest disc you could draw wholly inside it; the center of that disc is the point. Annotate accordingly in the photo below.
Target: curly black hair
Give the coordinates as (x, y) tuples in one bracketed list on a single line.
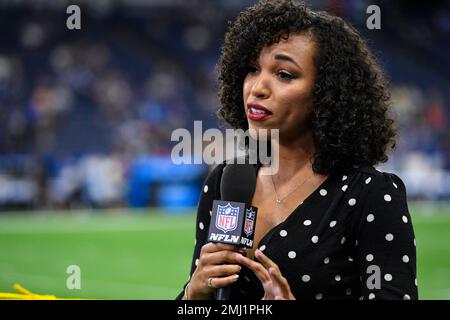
[(350, 119)]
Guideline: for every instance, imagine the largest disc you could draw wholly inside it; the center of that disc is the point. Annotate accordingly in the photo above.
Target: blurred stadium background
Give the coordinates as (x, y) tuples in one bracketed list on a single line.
[(85, 124)]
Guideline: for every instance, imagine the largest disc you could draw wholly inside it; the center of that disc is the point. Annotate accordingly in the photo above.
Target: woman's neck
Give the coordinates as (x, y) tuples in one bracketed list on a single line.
[(295, 158)]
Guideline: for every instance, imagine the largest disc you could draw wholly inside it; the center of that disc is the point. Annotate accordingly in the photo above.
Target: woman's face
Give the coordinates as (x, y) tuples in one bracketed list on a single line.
[(278, 88)]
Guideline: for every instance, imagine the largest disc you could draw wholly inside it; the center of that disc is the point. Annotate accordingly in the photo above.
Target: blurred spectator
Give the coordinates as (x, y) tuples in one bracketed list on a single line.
[(115, 90), (102, 177), (436, 114)]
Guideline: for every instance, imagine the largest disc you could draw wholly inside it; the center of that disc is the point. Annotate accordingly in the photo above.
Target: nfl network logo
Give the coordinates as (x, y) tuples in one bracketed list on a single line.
[(249, 221), (227, 217)]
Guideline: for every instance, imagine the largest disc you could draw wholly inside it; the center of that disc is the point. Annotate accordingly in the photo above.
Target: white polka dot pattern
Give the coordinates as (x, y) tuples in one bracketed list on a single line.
[(355, 221)]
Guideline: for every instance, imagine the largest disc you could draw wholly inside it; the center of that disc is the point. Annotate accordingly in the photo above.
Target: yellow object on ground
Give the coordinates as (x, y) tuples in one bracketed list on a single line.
[(25, 294)]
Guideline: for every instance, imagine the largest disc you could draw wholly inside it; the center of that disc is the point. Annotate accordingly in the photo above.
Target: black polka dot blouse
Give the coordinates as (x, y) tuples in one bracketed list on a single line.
[(352, 238)]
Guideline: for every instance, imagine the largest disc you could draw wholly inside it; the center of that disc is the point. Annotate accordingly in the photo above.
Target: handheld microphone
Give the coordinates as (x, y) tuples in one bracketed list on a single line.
[(233, 218)]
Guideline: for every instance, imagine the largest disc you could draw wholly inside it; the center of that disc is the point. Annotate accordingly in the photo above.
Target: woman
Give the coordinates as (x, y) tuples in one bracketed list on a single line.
[(329, 225)]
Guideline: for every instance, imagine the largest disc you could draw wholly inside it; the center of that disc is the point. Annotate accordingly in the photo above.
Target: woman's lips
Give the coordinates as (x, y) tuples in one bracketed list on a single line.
[(257, 112)]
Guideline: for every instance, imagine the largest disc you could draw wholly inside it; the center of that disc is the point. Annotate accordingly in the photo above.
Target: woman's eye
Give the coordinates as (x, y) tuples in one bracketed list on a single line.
[(285, 76)]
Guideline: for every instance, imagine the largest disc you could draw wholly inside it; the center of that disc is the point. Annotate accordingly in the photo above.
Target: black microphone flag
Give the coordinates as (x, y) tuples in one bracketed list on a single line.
[(232, 223), (233, 219)]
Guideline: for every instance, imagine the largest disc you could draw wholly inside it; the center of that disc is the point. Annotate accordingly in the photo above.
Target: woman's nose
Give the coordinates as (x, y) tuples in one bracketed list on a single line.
[(261, 87)]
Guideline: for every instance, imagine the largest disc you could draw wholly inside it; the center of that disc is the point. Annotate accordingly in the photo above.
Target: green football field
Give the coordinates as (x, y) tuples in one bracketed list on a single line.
[(125, 254)]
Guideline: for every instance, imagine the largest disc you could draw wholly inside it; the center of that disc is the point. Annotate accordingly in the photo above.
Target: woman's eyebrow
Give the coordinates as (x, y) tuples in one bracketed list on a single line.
[(284, 57)]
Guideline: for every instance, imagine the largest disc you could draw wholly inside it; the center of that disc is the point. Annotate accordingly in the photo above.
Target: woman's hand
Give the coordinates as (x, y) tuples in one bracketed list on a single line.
[(275, 285), (217, 267)]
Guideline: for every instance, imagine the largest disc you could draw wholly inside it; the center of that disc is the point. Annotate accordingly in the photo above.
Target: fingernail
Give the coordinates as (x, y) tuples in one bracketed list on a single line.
[(236, 276)]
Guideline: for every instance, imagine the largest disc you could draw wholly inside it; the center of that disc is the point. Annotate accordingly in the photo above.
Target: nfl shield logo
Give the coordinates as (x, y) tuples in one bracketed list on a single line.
[(227, 217), (249, 221)]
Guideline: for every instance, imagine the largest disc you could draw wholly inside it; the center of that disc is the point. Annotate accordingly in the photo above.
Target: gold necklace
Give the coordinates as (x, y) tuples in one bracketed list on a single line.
[(280, 200)]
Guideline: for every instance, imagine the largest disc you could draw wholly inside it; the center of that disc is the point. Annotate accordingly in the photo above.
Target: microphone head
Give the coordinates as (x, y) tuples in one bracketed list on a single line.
[(238, 183)]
